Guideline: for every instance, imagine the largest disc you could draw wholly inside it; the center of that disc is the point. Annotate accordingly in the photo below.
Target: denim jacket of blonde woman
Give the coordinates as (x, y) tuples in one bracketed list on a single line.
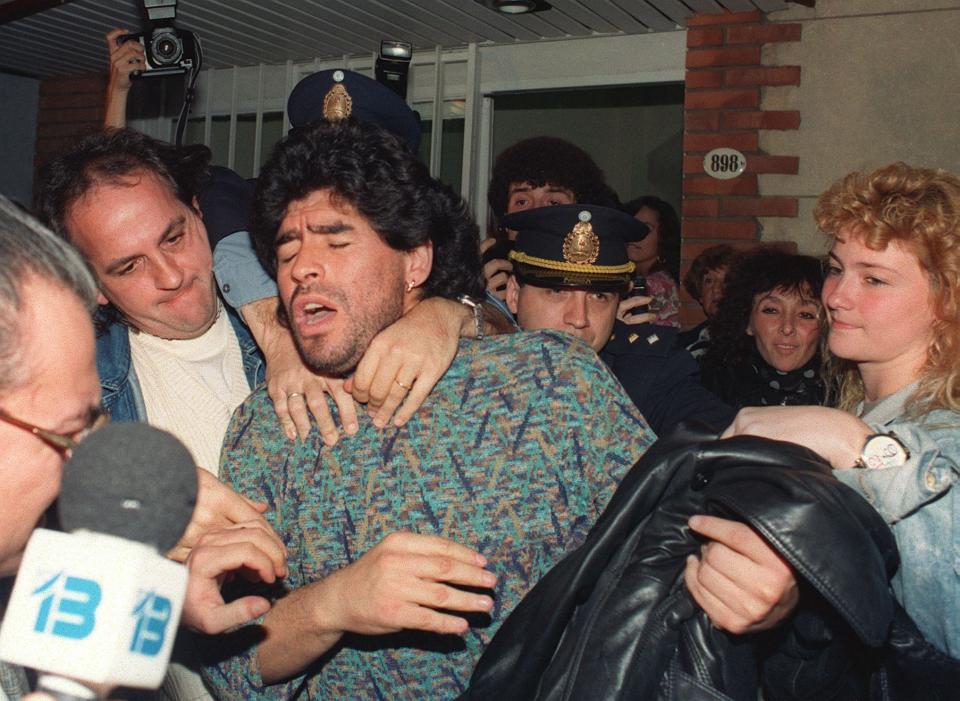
[(921, 502)]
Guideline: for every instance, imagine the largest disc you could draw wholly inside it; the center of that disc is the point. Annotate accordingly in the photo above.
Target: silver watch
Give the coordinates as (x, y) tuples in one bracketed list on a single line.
[(882, 450), (477, 306)]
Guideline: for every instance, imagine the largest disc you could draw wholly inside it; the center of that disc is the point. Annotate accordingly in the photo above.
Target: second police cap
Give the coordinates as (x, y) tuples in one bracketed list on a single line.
[(338, 93), (574, 245)]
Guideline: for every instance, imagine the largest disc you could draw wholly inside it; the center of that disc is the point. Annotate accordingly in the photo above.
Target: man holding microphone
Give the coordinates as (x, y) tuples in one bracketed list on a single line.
[(50, 397)]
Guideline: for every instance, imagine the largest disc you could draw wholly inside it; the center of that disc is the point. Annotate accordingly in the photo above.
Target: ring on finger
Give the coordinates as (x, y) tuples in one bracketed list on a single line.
[(294, 394), (406, 387)]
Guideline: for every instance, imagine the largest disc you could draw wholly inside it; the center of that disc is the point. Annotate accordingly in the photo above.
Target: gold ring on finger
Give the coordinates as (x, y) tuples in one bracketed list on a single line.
[(406, 387), (294, 394)]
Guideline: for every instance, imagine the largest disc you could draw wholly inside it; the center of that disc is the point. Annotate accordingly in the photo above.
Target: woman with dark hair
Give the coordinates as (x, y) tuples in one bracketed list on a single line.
[(704, 282), (657, 256), (765, 337)]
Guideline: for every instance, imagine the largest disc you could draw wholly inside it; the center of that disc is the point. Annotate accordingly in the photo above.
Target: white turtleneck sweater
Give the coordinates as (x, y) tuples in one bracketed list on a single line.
[(191, 387)]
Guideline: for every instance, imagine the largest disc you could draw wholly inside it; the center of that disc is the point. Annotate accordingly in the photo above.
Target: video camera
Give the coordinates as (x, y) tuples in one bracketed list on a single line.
[(169, 51)]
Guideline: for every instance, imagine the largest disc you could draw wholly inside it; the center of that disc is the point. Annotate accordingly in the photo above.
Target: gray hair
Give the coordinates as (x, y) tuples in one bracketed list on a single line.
[(26, 249)]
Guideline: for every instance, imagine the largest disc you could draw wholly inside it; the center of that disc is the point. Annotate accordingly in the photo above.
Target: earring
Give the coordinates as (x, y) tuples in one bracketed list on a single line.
[(410, 285)]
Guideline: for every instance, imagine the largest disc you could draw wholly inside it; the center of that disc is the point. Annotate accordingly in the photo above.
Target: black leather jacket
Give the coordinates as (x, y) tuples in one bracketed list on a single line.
[(613, 620)]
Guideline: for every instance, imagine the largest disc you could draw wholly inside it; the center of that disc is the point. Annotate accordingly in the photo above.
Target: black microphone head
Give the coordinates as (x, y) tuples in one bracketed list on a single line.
[(132, 481)]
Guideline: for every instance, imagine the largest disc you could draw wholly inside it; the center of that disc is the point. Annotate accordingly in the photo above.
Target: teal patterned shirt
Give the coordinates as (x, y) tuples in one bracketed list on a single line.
[(515, 453)]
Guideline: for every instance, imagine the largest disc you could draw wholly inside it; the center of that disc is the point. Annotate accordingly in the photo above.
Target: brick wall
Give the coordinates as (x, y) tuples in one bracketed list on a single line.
[(722, 107), (69, 106)]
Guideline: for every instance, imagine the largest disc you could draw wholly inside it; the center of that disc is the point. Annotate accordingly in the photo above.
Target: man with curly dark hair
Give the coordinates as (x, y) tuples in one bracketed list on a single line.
[(389, 595), (538, 172), (527, 174)]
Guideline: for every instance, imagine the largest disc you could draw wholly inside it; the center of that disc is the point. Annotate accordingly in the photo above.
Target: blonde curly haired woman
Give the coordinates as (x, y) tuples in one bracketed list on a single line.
[(892, 295)]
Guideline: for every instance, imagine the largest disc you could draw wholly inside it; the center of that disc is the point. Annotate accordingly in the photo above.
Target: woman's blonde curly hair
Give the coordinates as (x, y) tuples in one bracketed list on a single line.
[(920, 209)]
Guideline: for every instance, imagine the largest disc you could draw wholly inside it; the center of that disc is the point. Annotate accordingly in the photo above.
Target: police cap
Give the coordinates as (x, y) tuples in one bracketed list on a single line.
[(574, 245), (338, 93)]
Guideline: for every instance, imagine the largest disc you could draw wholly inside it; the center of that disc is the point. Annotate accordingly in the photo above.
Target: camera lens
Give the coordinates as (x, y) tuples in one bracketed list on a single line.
[(166, 49)]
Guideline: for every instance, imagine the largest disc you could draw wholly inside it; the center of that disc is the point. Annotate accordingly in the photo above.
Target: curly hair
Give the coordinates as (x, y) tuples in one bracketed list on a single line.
[(370, 168), (920, 209), (668, 245), (112, 156), (548, 160), (757, 272), (713, 258)]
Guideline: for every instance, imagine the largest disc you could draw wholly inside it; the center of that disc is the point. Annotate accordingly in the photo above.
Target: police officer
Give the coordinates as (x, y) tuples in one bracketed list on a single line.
[(570, 271)]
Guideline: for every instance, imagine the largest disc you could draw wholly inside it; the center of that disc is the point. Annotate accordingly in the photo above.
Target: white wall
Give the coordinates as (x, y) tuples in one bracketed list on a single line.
[(639, 58), (879, 83), (585, 63), (599, 61)]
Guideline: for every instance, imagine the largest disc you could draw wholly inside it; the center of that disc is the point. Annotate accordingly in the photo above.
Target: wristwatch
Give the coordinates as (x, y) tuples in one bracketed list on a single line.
[(477, 307), (882, 450)]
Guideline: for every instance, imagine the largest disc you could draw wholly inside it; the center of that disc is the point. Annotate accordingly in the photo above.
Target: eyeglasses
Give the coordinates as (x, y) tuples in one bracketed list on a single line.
[(58, 441)]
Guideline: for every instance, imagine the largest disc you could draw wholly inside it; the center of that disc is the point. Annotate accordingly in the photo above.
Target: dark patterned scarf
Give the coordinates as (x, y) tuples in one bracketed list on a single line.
[(799, 387)]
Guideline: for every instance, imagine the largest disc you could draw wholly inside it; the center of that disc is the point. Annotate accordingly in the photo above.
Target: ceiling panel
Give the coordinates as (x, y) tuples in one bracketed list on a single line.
[(68, 39)]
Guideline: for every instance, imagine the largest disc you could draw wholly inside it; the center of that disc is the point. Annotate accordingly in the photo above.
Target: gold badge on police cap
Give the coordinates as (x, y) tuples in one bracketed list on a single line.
[(337, 103), (582, 245)]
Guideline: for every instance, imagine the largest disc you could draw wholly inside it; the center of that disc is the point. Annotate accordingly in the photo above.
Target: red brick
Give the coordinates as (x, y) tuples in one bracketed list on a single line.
[(720, 229), (742, 141), (55, 131), (784, 165), (703, 79), (772, 119), (702, 19), (697, 120), (759, 207), (718, 99), (745, 184), (701, 208), (711, 58), (89, 99), (84, 114), (62, 136), (712, 36), (763, 33), (691, 249), (49, 148), (780, 75), (73, 84)]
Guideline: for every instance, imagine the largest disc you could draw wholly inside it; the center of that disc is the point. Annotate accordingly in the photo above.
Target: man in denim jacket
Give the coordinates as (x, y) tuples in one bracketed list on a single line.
[(50, 400), (168, 351)]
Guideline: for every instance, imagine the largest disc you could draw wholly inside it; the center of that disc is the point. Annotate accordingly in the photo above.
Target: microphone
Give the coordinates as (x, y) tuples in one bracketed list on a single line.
[(101, 604)]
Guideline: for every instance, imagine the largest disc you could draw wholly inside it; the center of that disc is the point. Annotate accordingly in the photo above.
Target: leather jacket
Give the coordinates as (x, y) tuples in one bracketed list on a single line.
[(614, 621)]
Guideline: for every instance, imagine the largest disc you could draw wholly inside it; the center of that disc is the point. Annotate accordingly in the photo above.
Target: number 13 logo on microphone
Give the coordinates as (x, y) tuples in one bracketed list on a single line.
[(152, 613), (73, 602), (68, 608)]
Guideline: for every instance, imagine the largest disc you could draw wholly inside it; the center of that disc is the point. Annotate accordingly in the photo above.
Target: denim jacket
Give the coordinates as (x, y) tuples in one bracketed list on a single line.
[(921, 502), (118, 380)]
